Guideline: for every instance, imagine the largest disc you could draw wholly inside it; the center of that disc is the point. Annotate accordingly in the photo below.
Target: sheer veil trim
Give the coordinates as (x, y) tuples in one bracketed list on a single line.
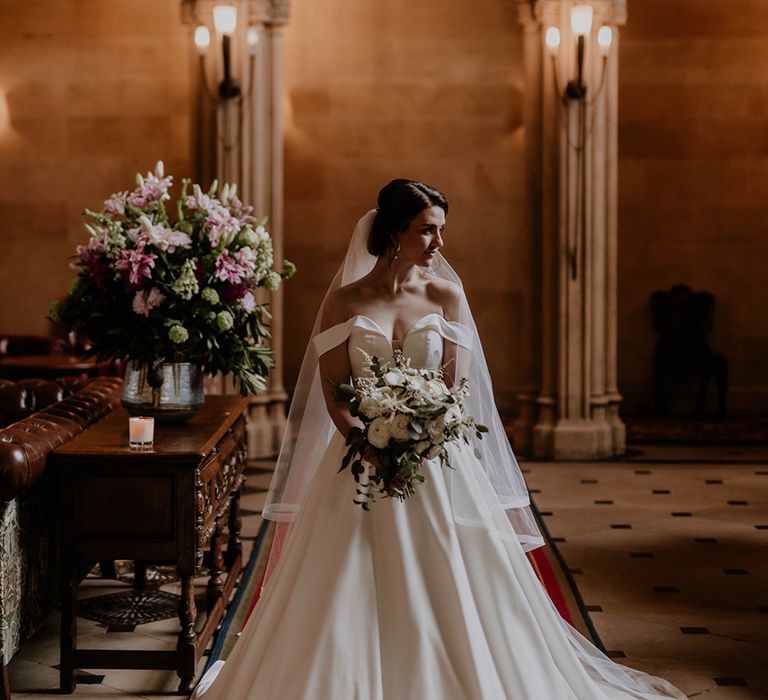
[(310, 429)]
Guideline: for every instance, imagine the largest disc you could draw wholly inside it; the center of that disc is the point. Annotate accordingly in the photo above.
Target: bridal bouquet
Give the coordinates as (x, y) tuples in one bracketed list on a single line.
[(156, 288), (408, 415)]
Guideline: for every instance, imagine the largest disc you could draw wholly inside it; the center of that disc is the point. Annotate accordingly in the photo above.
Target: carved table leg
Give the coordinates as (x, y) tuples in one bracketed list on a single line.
[(107, 567), (234, 544), (185, 648), (215, 582), (5, 688), (68, 628)]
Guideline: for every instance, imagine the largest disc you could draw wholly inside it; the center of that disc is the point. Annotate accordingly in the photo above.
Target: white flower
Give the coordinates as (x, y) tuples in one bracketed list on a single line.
[(224, 320), (378, 433), (453, 414), (436, 428), (272, 280), (251, 237), (434, 451), (248, 302), (394, 377), (436, 388), (369, 407), (418, 383), (399, 428)]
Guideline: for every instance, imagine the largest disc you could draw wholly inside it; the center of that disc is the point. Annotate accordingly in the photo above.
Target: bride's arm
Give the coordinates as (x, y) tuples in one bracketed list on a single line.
[(456, 358), (335, 369)]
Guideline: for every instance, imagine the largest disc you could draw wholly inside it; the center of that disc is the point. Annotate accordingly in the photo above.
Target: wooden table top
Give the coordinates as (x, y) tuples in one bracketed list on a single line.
[(108, 437)]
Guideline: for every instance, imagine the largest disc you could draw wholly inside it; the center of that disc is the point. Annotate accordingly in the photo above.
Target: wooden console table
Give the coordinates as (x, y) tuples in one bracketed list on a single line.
[(171, 504)]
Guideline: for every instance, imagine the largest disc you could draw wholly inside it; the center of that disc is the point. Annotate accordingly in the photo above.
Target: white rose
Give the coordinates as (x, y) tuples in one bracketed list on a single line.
[(418, 383), (378, 433), (453, 414), (434, 451), (394, 377), (398, 428), (369, 407), (436, 388), (421, 447), (435, 428)]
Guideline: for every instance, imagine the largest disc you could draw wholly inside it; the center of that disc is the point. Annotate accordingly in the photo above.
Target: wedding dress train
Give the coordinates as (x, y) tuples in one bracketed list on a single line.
[(431, 598)]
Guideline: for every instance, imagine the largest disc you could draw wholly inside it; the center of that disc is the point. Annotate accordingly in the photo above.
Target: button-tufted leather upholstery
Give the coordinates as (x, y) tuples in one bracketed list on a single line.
[(53, 416), (38, 416)]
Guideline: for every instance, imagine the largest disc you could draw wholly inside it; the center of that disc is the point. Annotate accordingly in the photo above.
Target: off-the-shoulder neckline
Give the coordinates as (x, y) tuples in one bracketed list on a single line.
[(414, 327)]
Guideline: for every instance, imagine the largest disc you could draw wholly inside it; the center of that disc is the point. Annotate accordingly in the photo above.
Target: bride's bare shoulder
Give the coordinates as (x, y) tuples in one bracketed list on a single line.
[(447, 294), (339, 306)]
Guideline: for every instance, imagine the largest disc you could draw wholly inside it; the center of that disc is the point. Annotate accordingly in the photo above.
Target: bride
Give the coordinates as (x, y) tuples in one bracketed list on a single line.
[(431, 598)]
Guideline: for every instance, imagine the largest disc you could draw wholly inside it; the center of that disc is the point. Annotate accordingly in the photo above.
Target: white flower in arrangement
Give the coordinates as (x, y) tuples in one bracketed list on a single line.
[(394, 378), (436, 429), (186, 285), (272, 280), (436, 389), (417, 383), (378, 433), (370, 407), (399, 427), (453, 414)]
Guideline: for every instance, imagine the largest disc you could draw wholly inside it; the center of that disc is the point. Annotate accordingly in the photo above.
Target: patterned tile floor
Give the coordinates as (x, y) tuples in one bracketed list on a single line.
[(670, 558), (667, 549)]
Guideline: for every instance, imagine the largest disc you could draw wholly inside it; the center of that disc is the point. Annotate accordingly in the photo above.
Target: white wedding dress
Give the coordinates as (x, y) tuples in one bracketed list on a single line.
[(409, 601)]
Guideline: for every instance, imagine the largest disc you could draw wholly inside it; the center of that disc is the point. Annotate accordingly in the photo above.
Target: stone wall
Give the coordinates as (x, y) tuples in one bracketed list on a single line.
[(431, 91), (692, 181), (91, 91)]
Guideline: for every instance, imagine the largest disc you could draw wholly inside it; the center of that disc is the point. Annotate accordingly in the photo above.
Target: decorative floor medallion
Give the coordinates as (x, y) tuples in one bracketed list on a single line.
[(129, 607)]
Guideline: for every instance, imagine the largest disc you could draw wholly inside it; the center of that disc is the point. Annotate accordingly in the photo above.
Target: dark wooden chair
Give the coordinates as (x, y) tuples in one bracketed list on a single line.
[(683, 319)]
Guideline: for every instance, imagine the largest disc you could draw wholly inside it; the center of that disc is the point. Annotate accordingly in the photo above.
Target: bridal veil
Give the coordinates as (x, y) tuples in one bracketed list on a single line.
[(309, 426)]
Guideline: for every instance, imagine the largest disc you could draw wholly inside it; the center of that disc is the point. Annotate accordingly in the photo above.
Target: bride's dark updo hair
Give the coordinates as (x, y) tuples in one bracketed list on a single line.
[(399, 203)]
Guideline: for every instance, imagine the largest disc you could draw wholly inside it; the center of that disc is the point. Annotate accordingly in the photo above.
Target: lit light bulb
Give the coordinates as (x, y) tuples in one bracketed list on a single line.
[(225, 19), (252, 39), (581, 19), (202, 39), (605, 39), (553, 40)]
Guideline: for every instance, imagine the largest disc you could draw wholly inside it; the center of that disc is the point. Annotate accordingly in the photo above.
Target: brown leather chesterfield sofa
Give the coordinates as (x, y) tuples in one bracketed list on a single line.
[(36, 417)]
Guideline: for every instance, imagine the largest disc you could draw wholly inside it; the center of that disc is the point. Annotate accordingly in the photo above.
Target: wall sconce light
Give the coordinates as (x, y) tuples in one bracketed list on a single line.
[(575, 94), (581, 27), (225, 23)]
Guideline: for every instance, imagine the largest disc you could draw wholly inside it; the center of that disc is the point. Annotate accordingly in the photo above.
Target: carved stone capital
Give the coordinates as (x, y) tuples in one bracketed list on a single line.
[(550, 12), (272, 12)]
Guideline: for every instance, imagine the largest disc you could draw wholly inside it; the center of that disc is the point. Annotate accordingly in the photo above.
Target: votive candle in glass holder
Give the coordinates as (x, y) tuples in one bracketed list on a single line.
[(141, 432)]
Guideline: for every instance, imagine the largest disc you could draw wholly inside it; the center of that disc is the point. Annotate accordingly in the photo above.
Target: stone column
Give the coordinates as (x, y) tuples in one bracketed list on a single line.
[(248, 141), (571, 161), (265, 190)]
